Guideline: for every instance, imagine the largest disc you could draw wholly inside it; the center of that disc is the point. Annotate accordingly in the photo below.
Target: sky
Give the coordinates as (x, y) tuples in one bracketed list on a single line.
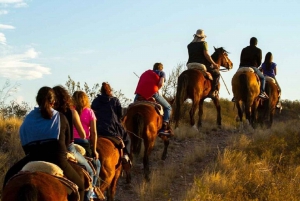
[(44, 42)]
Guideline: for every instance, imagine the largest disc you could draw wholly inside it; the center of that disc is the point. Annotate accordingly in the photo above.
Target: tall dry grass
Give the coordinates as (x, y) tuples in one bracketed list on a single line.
[(257, 164), (10, 147)]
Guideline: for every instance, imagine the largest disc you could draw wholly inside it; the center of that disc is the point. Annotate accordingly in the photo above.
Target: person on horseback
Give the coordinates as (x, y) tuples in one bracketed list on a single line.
[(148, 86), (43, 135), (63, 103), (251, 56), (198, 53), (269, 68), (108, 111)]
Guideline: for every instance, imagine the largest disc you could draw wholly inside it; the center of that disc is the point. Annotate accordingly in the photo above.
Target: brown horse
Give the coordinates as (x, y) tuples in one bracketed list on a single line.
[(34, 186), (193, 84), (267, 108), (142, 122), (111, 166), (246, 88)]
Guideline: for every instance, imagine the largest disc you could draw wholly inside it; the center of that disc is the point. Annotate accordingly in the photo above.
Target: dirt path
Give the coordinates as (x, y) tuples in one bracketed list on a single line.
[(172, 178)]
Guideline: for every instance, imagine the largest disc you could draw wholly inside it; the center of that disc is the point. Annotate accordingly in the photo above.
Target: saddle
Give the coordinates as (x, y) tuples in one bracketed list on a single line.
[(117, 141), (247, 69), (151, 102), (53, 170), (201, 68)]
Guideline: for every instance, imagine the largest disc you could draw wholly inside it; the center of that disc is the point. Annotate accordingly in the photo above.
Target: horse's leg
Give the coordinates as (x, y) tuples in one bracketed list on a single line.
[(166, 144), (113, 186), (148, 148), (200, 113), (192, 112), (240, 111), (106, 174), (218, 108)]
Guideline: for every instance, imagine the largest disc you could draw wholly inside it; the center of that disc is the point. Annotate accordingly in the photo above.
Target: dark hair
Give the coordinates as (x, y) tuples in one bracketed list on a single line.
[(63, 99), (45, 99), (106, 89), (253, 41), (158, 66), (268, 60)]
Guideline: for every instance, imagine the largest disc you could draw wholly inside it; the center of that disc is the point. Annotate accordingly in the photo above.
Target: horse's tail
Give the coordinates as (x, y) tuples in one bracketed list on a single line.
[(244, 86), (27, 192), (180, 94), (138, 128)]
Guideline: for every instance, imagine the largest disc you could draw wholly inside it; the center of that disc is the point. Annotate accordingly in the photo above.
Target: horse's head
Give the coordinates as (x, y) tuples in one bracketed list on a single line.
[(221, 57)]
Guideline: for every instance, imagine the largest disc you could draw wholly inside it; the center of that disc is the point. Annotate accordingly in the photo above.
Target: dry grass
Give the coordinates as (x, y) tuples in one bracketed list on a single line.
[(260, 164)]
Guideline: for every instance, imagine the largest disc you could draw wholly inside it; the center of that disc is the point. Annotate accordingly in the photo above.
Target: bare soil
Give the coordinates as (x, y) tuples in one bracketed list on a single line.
[(183, 177)]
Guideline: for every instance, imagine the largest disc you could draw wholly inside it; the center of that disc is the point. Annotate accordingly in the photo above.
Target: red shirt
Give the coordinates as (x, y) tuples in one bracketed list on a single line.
[(148, 84)]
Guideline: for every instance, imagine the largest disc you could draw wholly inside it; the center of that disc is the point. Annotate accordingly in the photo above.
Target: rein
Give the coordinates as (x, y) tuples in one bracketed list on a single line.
[(135, 135)]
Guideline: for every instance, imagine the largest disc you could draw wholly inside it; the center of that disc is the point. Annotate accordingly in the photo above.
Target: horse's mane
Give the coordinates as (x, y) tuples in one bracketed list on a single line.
[(217, 52)]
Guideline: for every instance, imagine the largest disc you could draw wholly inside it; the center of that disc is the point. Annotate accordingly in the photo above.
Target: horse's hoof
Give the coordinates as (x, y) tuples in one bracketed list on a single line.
[(164, 157)]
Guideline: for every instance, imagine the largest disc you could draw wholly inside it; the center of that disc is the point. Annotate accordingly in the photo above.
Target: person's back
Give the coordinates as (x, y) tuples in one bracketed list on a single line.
[(251, 56), (198, 54), (43, 135)]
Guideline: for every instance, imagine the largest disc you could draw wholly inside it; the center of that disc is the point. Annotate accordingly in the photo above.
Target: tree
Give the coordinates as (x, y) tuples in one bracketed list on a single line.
[(170, 86), (13, 108), (73, 86)]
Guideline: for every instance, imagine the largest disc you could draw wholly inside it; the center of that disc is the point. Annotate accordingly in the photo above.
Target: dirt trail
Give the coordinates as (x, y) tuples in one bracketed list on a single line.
[(183, 175)]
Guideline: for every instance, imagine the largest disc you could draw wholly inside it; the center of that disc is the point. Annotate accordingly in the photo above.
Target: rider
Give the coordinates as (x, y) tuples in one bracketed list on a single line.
[(269, 68), (43, 135), (198, 53), (148, 86), (251, 57), (108, 111)]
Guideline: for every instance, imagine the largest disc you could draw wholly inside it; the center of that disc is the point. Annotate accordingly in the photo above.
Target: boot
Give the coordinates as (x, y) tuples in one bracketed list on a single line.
[(166, 130)]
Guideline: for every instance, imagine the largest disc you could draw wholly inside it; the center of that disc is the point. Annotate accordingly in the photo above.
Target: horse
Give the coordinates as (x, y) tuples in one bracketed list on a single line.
[(193, 84), (111, 166), (246, 88), (142, 122), (34, 186), (267, 108)]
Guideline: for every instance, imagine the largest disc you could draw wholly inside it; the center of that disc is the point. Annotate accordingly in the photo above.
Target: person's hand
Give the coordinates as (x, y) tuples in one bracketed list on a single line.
[(96, 155), (216, 66)]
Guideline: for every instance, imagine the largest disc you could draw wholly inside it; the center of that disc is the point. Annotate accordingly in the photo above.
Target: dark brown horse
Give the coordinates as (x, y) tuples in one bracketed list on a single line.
[(34, 186), (111, 166), (246, 88), (267, 108), (142, 122), (194, 85)]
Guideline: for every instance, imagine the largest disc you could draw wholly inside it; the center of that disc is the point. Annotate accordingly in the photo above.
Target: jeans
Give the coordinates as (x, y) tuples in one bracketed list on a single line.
[(82, 161), (85, 143), (161, 100), (261, 78)]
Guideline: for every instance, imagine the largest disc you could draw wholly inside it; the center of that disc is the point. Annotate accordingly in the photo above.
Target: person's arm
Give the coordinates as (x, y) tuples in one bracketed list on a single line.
[(275, 70), (208, 57), (161, 83), (93, 138), (259, 57), (77, 124)]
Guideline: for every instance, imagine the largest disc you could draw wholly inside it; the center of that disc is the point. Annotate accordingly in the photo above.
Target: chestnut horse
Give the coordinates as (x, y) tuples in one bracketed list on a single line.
[(194, 85), (267, 108), (111, 166), (246, 88), (34, 186), (142, 123)]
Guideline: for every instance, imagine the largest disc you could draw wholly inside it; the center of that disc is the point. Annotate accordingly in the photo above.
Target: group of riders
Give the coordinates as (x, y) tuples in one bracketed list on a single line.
[(50, 130)]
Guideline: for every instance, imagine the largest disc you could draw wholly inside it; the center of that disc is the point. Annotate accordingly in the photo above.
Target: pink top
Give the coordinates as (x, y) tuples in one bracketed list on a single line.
[(87, 115)]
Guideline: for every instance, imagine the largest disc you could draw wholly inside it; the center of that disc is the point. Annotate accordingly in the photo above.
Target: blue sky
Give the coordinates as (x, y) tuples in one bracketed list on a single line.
[(42, 42)]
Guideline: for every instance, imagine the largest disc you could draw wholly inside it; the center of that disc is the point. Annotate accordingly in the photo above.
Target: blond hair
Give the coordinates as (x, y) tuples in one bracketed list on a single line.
[(81, 101)]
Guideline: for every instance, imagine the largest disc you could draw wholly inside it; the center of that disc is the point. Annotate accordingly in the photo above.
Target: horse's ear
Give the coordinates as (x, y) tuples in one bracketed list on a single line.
[(215, 48)]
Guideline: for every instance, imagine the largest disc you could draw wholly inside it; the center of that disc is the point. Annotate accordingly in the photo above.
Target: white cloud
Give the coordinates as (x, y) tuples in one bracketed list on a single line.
[(18, 66), (3, 12), (11, 1), (5, 26), (2, 39)]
